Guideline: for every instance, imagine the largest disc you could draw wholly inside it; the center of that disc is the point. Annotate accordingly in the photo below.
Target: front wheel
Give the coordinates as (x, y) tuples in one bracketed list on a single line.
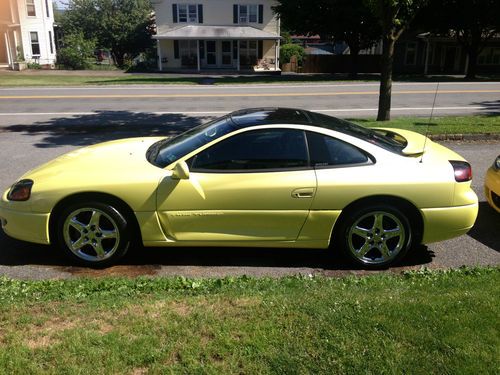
[(93, 233), (375, 236)]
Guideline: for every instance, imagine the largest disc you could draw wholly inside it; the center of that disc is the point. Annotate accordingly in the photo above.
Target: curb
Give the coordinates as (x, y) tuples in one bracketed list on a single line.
[(465, 137)]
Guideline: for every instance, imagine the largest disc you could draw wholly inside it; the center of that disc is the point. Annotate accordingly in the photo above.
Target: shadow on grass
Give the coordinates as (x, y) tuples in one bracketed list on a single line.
[(82, 130)]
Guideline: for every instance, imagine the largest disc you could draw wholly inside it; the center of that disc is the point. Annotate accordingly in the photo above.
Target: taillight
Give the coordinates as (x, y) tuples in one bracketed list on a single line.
[(462, 169)]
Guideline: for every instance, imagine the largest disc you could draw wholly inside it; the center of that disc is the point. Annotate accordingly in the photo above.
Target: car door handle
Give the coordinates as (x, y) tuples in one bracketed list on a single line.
[(303, 193)]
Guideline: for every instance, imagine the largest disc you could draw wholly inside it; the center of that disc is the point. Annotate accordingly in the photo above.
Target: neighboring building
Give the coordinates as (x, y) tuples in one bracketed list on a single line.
[(217, 34), (26, 32)]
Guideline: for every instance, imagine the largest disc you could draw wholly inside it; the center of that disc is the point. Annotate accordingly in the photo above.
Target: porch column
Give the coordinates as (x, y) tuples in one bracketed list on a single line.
[(276, 55), (426, 69), (238, 54), (158, 48), (7, 48), (198, 53)]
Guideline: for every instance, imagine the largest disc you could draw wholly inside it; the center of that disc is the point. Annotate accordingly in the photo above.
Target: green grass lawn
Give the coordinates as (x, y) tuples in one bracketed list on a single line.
[(439, 125), (421, 322)]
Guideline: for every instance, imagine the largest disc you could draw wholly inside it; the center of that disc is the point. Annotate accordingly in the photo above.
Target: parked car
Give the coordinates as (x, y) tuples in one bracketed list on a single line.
[(492, 184), (268, 177)]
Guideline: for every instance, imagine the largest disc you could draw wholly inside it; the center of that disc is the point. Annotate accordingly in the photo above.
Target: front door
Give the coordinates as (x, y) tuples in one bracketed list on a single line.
[(211, 48), (226, 54), (253, 186)]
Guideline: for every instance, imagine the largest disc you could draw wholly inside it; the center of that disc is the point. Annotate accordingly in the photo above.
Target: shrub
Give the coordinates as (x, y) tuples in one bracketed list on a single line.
[(76, 51), (289, 50)]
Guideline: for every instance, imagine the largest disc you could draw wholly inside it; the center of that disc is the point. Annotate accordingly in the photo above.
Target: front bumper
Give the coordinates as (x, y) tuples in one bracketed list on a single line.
[(448, 222), (492, 188), (25, 226)]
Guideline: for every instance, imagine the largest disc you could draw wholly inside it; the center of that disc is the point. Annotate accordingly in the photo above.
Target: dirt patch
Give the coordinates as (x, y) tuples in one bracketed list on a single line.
[(123, 271)]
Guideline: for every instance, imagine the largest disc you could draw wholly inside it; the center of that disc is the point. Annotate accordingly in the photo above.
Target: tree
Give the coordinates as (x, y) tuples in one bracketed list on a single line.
[(124, 27), (471, 22), (394, 17), (342, 20), (76, 51)]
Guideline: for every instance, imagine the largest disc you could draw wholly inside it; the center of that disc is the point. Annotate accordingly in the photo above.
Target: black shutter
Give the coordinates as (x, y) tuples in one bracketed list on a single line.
[(235, 49), (259, 49), (174, 12), (200, 13), (235, 13), (176, 49), (261, 13)]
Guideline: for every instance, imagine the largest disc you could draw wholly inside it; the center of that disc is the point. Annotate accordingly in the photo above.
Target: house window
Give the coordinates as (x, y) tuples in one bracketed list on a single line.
[(489, 56), (187, 50), (187, 13), (50, 42), (247, 13), (30, 6), (35, 44), (411, 53), (47, 8), (248, 52)]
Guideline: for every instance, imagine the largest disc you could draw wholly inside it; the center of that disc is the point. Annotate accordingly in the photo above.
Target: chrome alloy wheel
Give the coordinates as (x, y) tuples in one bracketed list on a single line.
[(376, 238), (91, 234)]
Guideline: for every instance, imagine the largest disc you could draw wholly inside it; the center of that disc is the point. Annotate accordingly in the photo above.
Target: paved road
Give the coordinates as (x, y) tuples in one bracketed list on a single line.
[(163, 103), (21, 150)]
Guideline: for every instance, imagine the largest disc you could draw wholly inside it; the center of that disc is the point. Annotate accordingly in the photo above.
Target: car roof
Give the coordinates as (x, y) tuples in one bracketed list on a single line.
[(267, 115)]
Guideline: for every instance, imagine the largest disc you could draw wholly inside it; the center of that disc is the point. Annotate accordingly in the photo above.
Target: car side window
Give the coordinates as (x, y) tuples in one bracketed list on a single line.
[(327, 151), (265, 149)]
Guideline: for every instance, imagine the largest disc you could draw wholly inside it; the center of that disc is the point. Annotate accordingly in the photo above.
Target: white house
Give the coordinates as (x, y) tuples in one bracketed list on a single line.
[(217, 34), (27, 32)]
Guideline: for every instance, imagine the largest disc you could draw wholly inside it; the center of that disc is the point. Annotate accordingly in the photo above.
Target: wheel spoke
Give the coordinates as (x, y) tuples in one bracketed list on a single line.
[(79, 226), (79, 243), (384, 250), (362, 232), (94, 220), (108, 234), (391, 233), (379, 222), (364, 249), (98, 248)]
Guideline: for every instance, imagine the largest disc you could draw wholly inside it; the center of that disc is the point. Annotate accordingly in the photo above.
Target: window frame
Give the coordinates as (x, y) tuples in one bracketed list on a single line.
[(29, 4), (308, 166), (188, 12), (37, 42), (411, 47), (247, 18)]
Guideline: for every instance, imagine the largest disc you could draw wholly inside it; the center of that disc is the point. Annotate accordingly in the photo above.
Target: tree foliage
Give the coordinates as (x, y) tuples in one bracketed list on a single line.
[(124, 27), (76, 51), (394, 17), (471, 22), (288, 50), (350, 21)]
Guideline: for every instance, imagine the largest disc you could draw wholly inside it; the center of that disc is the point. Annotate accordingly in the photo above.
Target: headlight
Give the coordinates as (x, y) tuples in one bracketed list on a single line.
[(496, 164), (20, 191)]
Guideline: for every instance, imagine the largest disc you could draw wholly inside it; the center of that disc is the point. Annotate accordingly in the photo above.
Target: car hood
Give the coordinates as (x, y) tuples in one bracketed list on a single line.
[(101, 160)]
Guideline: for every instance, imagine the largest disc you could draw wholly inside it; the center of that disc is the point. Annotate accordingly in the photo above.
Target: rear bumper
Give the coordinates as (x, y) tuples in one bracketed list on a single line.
[(25, 226), (492, 188), (447, 222)]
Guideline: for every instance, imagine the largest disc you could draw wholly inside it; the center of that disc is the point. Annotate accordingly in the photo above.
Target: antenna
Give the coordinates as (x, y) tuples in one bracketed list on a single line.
[(429, 123)]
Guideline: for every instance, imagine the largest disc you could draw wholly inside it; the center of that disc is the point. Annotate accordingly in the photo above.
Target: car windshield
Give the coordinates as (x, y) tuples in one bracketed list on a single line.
[(357, 131), (169, 150)]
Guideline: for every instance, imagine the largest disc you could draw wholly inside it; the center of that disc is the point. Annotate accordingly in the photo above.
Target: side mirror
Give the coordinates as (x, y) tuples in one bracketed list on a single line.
[(180, 171)]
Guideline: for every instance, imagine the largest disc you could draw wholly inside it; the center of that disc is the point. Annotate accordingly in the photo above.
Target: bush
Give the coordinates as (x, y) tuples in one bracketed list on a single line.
[(34, 65), (289, 50), (76, 51)]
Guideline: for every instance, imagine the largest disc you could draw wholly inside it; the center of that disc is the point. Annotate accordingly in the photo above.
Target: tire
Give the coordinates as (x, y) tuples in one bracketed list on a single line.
[(93, 234), (374, 236)]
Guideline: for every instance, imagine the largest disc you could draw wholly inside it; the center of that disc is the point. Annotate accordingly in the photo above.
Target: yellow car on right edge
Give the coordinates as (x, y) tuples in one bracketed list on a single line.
[(492, 185)]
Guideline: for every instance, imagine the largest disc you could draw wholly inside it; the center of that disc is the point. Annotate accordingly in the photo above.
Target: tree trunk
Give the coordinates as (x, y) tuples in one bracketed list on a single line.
[(384, 99), (353, 73), (471, 67)]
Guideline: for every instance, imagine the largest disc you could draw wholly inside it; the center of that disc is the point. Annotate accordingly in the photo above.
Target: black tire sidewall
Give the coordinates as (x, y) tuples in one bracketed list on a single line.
[(352, 215), (119, 219)]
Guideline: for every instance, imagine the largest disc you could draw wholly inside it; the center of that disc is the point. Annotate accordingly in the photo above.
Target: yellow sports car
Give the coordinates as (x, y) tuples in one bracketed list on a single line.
[(492, 185), (268, 177)]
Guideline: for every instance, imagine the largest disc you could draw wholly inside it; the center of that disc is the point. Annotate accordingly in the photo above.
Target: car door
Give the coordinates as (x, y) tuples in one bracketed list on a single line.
[(254, 186)]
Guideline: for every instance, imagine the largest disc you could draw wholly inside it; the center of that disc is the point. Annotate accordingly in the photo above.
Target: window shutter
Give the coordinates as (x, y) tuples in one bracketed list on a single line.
[(261, 13), (260, 48), (176, 49), (235, 13), (174, 12), (200, 13)]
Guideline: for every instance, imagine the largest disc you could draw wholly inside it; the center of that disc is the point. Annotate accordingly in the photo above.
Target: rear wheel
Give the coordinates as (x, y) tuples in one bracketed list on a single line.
[(93, 233), (375, 236)]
